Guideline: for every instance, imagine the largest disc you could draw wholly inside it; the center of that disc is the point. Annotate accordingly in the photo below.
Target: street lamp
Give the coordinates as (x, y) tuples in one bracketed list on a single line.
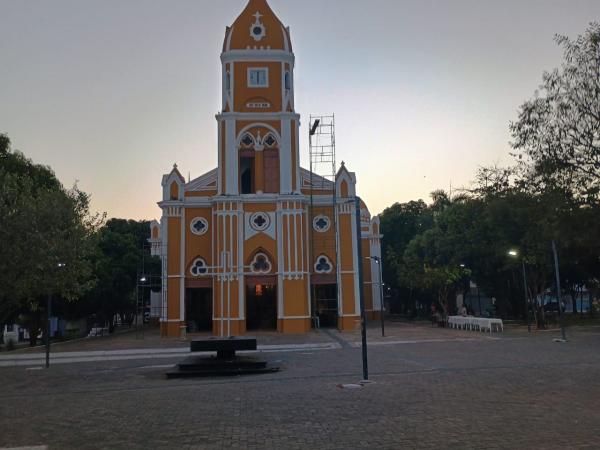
[(515, 254), (377, 260), (141, 279)]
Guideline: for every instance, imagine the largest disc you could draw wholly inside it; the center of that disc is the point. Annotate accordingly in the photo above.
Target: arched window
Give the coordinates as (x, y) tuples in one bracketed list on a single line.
[(269, 140), (198, 268), (247, 141), (228, 81), (260, 263), (288, 81), (323, 265)]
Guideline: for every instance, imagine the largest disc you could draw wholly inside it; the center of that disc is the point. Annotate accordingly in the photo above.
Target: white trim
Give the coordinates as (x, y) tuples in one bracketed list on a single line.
[(231, 159), (285, 158), (228, 41), (220, 145), (252, 85), (286, 42), (253, 55), (240, 263), (247, 128), (280, 265), (203, 182), (164, 268), (252, 116), (182, 269)]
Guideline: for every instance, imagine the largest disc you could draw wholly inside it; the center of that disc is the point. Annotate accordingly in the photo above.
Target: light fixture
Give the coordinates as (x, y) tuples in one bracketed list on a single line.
[(316, 123)]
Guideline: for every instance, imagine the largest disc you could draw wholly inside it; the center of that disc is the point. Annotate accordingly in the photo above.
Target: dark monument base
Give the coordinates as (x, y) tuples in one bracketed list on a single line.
[(226, 363)]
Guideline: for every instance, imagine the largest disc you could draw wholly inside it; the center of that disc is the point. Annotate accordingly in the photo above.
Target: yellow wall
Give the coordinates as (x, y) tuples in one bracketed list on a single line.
[(243, 94), (198, 246)]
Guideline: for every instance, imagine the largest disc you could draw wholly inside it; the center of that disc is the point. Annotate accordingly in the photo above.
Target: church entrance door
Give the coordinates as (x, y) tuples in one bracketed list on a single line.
[(326, 304), (261, 303), (198, 309)]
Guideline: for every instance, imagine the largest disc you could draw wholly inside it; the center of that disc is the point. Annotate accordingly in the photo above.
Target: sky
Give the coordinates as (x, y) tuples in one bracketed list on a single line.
[(111, 93)]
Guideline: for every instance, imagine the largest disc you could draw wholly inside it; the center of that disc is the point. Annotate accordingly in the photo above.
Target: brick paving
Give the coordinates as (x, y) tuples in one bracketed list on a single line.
[(432, 389)]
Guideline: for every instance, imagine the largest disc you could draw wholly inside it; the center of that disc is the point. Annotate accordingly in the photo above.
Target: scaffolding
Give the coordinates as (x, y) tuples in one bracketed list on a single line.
[(323, 171)]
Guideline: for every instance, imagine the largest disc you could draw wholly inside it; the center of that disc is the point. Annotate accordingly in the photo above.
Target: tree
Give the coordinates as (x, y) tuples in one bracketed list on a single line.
[(46, 233), (400, 224), (557, 134), (122, 255)]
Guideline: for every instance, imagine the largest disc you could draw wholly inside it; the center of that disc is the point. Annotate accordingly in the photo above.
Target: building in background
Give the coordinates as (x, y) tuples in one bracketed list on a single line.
[(241, 247)]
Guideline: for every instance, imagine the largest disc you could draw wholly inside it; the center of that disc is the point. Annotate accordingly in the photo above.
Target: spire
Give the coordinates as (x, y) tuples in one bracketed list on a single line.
[(257, 27)]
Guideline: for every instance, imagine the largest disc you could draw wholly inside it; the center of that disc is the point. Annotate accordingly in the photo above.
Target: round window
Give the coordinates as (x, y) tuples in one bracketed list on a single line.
[(260, 221), (199, 226), (321, 223)]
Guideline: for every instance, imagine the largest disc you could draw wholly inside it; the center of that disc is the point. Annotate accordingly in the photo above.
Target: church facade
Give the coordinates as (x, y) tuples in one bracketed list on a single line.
[(241, 247)]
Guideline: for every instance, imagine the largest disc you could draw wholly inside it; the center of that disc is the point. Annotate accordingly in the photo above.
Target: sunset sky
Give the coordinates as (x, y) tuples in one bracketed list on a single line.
[(111, 93)]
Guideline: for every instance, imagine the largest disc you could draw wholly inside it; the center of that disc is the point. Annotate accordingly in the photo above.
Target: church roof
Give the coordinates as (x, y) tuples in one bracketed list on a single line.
[(257, 27)]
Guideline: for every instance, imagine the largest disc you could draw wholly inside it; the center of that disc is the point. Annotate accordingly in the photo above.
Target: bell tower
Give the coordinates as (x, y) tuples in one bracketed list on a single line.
[(258, 126)]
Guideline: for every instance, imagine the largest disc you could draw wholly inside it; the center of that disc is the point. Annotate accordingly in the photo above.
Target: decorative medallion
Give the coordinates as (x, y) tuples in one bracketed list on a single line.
[(323, 265), (260, 221), (321, 223), (199, 267), (260, 264), (257, 29), (199, 226)]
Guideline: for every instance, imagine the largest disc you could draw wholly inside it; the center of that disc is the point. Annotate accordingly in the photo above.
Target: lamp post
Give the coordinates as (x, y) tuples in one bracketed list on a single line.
[(515, 254), (140, 280), (377, 260), (363, 319)]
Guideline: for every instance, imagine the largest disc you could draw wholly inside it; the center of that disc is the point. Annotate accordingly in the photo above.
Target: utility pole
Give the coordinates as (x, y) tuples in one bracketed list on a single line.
[(363, 319), (558, 292), (381, 297), (527, 302), (48, 328)]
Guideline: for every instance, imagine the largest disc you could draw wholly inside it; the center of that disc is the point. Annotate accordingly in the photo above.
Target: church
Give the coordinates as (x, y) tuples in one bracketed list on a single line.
[(260, 243)]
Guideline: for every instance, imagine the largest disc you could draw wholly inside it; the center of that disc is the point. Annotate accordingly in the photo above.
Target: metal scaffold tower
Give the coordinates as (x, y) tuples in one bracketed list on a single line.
[(323, 199)]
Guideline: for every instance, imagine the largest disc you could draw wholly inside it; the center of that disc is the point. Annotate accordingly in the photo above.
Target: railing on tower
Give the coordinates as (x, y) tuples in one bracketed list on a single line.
[(323, 171)]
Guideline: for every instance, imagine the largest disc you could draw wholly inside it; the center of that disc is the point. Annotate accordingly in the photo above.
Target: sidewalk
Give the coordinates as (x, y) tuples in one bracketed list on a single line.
[(36, 359), (149, 345)]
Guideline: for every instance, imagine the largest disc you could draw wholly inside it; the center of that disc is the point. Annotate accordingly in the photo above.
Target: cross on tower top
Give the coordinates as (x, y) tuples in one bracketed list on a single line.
[(257, 15)]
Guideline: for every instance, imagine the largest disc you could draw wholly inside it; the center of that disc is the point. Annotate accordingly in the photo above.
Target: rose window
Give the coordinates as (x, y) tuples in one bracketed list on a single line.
[(199, 268), (323, 265), (260, 221), (261, 264), (321, 223), (199, 226)]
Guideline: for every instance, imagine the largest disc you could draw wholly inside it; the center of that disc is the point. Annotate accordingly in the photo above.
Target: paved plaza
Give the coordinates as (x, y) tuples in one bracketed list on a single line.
[(432, 388)]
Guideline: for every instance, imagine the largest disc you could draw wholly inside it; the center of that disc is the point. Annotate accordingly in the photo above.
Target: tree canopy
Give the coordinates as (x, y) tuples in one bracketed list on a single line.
[(45, 232)]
